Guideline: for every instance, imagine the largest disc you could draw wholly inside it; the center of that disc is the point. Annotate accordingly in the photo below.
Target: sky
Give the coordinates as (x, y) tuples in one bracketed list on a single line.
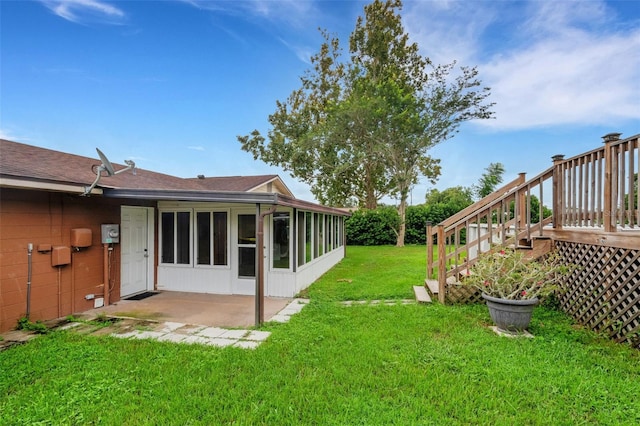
[(171, 84)]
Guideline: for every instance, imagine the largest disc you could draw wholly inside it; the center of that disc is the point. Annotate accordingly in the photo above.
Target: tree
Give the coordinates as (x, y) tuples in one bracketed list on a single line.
[(489, 180), (455, 198), (363, 128)]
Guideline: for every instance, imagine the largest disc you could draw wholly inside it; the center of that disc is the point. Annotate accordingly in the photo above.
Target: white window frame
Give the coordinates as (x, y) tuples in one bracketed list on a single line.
[(175, 212), (193, 242), (194, 234), (292, 257)]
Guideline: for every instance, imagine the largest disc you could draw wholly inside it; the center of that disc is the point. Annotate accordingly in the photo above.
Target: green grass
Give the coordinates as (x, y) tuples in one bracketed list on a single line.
[(373, 273), (331, 364)]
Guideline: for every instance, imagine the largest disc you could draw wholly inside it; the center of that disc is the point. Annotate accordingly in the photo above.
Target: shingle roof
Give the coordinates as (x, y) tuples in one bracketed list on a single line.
[(23, 161)]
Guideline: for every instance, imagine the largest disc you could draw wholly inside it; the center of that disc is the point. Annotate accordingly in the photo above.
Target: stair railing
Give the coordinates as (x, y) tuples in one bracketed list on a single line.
[(597, 189)]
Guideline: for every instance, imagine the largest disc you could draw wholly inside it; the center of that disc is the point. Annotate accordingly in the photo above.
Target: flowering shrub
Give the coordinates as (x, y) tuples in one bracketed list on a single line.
[(508, 274)]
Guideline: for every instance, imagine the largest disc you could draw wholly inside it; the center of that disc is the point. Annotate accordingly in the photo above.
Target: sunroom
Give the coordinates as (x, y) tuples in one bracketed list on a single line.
[(211, 242)]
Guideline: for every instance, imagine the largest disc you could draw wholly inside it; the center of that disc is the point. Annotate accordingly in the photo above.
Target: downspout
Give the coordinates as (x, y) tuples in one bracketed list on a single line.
[(29, 273), (260, 267)]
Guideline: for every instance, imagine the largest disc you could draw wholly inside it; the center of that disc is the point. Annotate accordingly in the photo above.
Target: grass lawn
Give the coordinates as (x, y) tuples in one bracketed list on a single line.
[(331, 364)]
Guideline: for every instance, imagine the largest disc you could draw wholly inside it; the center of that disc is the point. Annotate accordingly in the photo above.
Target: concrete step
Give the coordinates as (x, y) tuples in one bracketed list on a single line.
[(421, 294), (432, 285)]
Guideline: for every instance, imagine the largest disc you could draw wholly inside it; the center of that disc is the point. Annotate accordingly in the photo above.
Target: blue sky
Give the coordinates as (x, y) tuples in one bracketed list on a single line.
[(170, 84)]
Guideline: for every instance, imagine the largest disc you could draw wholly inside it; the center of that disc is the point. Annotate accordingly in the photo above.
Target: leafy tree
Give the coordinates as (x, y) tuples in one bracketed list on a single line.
[(534, 206), (489, 180), (455, 198), (363, 128)]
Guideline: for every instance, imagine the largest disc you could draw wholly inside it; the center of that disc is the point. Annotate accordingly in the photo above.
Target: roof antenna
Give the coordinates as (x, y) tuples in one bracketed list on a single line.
[(106, 166)]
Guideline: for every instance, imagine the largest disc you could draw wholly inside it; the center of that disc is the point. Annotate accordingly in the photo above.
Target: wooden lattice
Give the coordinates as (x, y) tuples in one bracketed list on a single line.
[(458, 293), (603, 292)]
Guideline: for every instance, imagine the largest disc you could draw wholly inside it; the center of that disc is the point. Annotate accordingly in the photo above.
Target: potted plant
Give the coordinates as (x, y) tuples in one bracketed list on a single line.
[(512, 285)]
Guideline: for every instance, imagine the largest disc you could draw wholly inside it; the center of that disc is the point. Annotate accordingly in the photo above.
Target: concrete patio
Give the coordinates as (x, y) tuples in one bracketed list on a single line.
[(213, 310)]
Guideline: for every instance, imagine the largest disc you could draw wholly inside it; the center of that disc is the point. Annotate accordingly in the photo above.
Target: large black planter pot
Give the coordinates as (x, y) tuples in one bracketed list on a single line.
[(510, 316)]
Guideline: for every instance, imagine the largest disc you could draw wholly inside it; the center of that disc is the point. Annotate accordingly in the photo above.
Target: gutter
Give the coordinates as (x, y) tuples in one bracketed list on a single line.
[(45, 186)]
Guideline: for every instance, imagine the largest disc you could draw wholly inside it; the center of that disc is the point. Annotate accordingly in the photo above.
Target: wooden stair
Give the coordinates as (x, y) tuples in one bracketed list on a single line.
[(421, 294), (432, 285), (536, 247)]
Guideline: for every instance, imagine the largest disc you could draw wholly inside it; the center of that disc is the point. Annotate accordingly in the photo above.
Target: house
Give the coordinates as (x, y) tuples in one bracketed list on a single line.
[(135, 230)]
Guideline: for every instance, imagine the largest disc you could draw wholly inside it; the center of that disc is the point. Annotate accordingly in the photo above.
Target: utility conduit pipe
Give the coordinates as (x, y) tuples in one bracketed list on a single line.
[(29, 274), (105, 273), (59, 292)]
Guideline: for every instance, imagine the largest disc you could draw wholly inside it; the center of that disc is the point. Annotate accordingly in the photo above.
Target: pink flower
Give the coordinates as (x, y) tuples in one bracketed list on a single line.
[(524, 293), (502, 252)]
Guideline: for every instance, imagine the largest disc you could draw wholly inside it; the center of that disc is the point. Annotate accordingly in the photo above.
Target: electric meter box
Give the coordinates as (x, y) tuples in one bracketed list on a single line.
[(110, 233)]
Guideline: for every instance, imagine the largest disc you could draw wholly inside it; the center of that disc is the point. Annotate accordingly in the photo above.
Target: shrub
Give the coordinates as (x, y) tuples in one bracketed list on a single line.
[(416, 224), (373, 227)]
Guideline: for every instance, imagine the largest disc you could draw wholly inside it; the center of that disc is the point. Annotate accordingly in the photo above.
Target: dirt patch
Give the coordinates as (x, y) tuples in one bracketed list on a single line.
[(97, 326), (139, 314)]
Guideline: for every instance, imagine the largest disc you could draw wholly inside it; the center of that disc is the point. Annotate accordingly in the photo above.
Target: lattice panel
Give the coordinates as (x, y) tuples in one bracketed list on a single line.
[(603, 292), (458, 293)]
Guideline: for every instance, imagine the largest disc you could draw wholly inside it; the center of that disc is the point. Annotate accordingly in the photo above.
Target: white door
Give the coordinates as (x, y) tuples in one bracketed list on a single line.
[(134, 241)]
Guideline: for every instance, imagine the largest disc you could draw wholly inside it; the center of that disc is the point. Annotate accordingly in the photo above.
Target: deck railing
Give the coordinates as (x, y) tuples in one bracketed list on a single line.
[(597, 190)]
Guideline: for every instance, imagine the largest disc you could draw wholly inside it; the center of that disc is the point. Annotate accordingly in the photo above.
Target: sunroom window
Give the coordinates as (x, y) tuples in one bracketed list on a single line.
[(211, 238), (281, 240), (176, 237), (203, 233)]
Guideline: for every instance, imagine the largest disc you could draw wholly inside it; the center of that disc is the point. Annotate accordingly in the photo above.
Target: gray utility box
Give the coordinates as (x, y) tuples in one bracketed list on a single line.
[(110, 233)]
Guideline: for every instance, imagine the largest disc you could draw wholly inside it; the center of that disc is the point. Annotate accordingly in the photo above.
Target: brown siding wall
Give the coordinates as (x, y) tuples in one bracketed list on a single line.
[(46, 218)]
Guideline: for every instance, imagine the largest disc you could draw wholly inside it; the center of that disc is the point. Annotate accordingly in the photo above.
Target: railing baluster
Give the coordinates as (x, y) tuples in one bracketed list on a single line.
[(600, 189), (579, 191)]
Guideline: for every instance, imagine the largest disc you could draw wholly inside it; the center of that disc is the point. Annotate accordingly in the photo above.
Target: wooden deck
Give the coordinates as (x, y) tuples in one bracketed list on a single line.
[(594, 222)]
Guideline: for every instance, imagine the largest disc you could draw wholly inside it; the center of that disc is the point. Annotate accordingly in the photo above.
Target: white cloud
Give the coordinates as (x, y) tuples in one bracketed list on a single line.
[(277, 17), (448, 30), (293, 13), (580, 79), (547, 63), (303, 53), (196, 148), (84, 11), (4, 134), (10, 135)]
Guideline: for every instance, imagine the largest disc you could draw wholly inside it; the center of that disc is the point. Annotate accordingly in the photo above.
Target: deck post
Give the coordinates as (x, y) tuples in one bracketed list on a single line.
[(429, 242), (558, 192), (442, 264), (610, 186)]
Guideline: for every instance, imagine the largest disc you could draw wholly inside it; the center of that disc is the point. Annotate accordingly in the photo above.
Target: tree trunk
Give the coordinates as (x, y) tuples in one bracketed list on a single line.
[(402, 210), (370, 202)]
